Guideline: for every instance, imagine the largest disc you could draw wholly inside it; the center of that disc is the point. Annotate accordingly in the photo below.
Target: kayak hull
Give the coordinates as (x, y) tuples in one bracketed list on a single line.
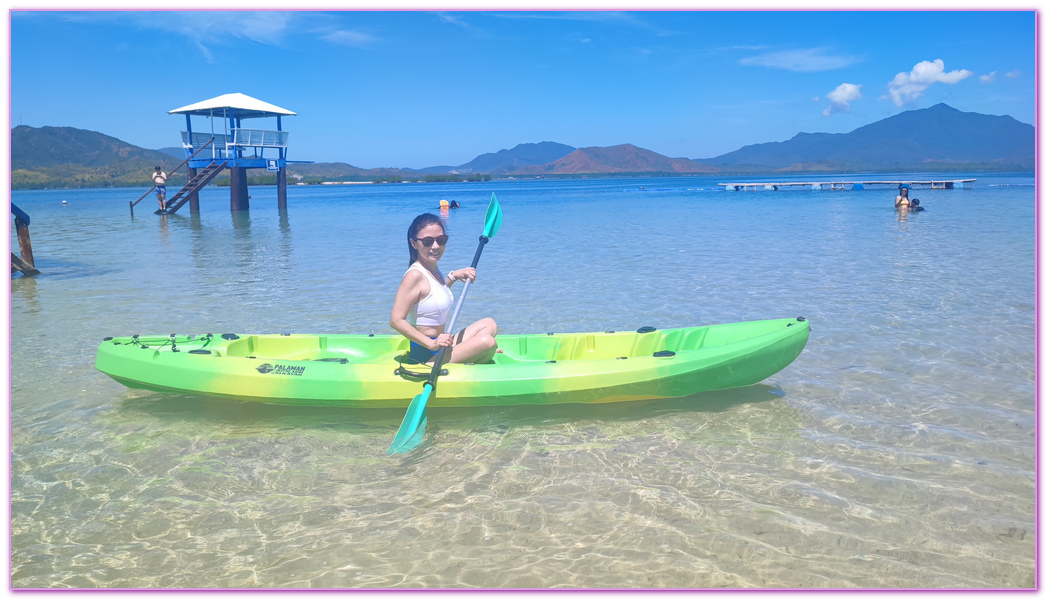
[(363, 371)]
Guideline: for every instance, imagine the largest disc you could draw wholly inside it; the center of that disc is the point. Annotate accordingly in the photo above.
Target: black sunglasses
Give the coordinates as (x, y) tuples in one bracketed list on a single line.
[(428, 241)]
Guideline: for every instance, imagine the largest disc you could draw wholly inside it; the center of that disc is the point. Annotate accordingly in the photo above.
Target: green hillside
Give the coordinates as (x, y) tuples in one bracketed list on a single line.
[(66, 157)]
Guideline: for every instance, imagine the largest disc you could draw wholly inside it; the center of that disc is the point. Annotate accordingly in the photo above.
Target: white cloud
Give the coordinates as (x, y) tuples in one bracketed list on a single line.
[(205, 29), (202, 29), (988, 78), (453, 20), (611, 17), (910, 86), (1014, 74), (348, 38), (264, 27), (805, 60), (841, 98), (208, 56)]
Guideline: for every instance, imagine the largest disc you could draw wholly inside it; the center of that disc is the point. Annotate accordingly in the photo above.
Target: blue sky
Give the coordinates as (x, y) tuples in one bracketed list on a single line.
[(424, 88)]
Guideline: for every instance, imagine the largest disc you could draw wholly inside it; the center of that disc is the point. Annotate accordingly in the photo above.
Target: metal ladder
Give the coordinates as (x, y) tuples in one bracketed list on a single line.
[(193, 185)]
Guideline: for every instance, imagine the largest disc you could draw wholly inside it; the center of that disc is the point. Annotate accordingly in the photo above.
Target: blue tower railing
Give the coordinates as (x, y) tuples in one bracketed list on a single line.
[(241, 148)]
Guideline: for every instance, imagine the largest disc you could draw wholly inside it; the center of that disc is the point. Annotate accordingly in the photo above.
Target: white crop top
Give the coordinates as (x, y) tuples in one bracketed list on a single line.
[(432, 311)]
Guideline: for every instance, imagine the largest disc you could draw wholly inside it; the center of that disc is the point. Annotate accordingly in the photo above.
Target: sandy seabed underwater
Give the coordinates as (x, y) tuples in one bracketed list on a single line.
[(896, 452)]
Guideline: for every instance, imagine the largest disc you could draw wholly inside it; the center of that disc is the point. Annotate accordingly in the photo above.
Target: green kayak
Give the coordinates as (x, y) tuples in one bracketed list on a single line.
[(372, 371)]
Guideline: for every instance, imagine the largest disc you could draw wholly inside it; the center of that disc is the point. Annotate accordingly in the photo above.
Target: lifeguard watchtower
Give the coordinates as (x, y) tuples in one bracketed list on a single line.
[(232, 146)]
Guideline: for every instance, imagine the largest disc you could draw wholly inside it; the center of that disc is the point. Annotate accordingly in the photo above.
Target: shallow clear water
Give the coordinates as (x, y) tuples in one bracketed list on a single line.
[(897, 451)]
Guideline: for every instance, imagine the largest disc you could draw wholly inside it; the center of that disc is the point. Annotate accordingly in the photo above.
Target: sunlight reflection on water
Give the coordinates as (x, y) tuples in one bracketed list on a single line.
[(897, 451)]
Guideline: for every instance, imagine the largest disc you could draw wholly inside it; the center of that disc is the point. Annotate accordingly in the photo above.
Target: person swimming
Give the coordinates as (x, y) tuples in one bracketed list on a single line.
[(915, 206)]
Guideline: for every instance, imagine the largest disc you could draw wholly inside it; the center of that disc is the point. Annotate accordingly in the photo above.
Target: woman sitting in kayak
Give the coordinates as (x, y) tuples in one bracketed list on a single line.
[(424, 300), (902, 200)]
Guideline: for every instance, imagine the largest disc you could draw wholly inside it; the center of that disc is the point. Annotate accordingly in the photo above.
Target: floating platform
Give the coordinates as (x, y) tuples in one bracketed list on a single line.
[(935, 184)]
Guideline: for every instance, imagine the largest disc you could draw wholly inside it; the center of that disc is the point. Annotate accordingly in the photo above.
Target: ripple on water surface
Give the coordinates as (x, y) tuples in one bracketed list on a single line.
[(897, 451)]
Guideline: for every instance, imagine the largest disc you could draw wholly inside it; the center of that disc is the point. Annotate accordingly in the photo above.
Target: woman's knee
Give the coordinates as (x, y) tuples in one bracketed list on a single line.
[(485, 326), (480, 347), (490, 326), (482, 342)]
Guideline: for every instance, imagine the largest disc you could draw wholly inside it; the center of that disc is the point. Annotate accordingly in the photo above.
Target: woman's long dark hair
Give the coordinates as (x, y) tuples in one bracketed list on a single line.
[(421, 222)]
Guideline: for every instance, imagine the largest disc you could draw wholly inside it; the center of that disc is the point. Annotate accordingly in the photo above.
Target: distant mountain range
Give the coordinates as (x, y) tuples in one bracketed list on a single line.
[(624, 158), (933, 137), (508, 161), (939, 138)]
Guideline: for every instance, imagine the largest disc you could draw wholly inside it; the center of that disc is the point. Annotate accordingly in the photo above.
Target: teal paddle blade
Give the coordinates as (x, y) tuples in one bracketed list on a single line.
[(418, 436), (493, 219), (412, 429)]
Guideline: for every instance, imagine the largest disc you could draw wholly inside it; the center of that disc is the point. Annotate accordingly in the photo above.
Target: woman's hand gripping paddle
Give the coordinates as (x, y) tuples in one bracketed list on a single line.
[(412, 430)]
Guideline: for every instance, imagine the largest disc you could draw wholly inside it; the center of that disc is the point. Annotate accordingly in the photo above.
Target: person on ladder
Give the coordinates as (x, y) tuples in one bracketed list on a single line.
[(160, 180)]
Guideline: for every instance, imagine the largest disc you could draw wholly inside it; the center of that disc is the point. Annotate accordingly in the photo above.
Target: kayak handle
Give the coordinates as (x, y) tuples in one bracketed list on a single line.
[(401, 371)]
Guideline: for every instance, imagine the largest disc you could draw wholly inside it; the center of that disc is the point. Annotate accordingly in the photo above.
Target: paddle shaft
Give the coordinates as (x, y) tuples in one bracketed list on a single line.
[(440, 356)]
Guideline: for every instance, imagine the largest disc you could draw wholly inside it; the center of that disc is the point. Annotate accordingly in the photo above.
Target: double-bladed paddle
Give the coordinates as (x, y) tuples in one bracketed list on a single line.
[(412, 430)]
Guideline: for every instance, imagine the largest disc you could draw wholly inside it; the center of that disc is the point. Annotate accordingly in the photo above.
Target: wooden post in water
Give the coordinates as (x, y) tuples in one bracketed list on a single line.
[(25, 247), (194, 198), (281, 189), (238, 198), (17, 264)]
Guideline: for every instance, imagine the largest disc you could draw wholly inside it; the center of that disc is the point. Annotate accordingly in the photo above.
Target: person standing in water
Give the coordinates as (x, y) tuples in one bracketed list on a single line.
[(424, 300), (901, 202), (160, 181)]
